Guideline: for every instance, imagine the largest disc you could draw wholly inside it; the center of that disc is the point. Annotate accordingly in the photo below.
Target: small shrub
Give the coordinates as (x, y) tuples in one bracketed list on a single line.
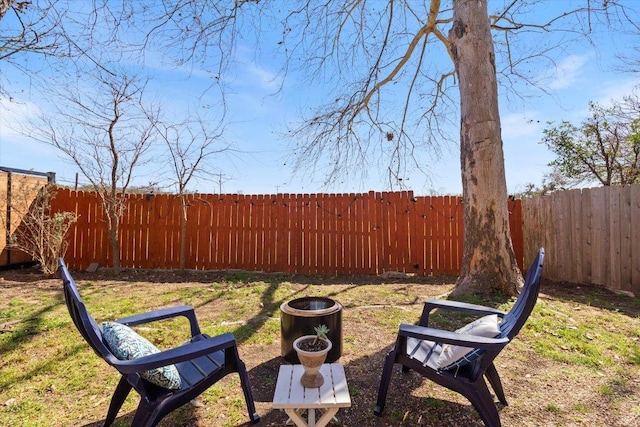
[(41, 234)]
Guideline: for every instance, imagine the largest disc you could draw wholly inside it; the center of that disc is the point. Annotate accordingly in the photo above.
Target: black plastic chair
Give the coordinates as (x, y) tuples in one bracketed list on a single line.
[(415, 345), (201, 362)]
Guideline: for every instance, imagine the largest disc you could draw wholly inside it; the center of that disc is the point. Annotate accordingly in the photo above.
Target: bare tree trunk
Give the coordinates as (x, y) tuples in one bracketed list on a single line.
[(488, 261), (113, 229), (183, 230)]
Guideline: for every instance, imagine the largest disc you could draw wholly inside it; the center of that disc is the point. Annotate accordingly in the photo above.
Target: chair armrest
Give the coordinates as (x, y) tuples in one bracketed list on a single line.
[(164, 313), (188, 351), (464, 307), (448, 337)]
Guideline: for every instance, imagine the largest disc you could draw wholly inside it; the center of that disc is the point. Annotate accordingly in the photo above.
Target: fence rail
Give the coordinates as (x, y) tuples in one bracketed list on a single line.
[(367, 233)]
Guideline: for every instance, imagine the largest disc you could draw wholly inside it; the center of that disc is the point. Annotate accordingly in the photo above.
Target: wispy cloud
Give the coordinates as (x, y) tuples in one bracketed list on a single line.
[(257, 74), (520, 126), (15, 116), (17, 149), (616, 90), (568, 72), (261, 78)]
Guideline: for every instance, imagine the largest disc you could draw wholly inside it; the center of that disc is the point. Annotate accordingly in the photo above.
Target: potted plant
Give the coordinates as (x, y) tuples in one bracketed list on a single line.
[(312, 351)]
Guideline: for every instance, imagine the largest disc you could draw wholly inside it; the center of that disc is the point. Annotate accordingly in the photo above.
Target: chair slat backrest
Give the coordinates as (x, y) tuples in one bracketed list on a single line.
[(515, 319), (84, 322)]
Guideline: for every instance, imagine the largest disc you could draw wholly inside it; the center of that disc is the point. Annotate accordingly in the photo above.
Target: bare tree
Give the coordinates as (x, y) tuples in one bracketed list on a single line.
[(106, 134), (394, 97), (45, 30), (30, 28), (390, 96), (488, 260), (191, 144)]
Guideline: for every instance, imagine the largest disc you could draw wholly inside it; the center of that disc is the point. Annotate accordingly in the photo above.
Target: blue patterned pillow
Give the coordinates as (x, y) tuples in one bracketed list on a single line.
[(128, 345), (453, 355)]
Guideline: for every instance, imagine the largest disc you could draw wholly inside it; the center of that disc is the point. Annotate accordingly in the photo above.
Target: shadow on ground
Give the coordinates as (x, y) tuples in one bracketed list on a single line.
[(404, 407)]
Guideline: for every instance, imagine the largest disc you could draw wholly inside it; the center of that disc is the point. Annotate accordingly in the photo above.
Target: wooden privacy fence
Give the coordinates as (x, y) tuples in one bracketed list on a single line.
[(18, 190), (590, 235), (368, 233)]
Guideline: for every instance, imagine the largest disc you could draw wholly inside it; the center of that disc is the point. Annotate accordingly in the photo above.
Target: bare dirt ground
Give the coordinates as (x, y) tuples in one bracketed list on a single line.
[(541, 391)]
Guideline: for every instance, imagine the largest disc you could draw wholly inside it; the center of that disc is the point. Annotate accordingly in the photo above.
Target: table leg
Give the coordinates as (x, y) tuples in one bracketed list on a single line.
[(294, 415), (326, 417), (290, 422)]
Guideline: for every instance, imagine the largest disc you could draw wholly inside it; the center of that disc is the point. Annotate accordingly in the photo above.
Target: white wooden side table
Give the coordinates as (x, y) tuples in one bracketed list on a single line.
[(295, 399)]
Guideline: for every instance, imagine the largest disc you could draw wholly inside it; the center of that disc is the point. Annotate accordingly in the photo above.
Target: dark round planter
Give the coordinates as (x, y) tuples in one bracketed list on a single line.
[(298, 317)]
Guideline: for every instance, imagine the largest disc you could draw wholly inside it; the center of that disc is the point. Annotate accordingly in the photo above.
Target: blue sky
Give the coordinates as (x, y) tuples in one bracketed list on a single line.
[(257, 117)]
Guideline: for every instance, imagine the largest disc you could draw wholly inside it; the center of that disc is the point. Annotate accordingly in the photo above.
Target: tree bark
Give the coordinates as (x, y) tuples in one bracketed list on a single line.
[(488, 261), (5, 5), (113, 231), (183, 229)]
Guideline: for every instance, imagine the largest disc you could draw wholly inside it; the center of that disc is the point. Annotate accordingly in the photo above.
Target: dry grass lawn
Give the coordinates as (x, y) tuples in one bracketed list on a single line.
[(575, 363)]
